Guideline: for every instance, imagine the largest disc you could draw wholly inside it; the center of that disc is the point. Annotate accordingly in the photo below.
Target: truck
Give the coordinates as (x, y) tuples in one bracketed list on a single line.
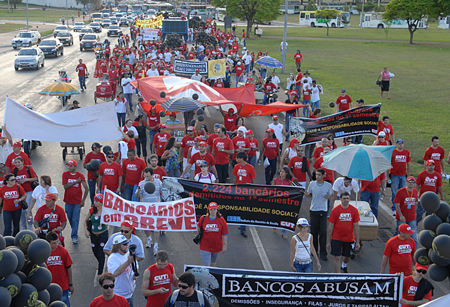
[(444, 22), (375, 20)]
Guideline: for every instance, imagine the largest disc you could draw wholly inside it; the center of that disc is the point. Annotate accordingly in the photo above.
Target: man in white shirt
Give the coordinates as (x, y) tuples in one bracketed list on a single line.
[(279, 131), (5, 145), (316, 90), (344, 184), (128, 89), (275, 80), (197, 75), (167, 56), (306, 77), (247, 61), (152, 72), (131, 58), (282, 44)]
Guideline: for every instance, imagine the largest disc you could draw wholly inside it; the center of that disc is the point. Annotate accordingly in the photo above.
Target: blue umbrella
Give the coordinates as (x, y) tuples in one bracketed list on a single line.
[(269, 62), (182, 104), (359, 161)]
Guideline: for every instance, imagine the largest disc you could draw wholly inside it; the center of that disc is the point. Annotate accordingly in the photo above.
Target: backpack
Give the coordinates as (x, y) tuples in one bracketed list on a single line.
[(200, 296)]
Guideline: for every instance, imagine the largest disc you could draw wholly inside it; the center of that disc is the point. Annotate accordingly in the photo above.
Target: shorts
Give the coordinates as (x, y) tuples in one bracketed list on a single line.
[(339, 248), (385, 86)]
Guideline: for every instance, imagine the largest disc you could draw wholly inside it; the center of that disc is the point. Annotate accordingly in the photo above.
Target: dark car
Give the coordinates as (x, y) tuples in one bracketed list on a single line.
[(85, 31), (114, 30), (113, 20), (95, 26), (123, 22), (60, 29), (52, 46), (89, 41), (65, 38)]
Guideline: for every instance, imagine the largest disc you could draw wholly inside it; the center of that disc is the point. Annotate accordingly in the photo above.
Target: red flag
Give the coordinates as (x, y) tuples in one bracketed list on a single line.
[(98, 70)]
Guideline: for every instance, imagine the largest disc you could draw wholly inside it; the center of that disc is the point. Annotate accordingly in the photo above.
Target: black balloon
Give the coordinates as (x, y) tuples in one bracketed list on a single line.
[(39, 250), (437, 273), (331, 104), (22, 276), (431, 222), (2, 242), (44, 296), (57, 304), (162, 94), (201, 118), (195, 96), (430, 201), (5, 297), (27, 296), (438, 260), (8, 263), (28, 267), (441, 246), (152, 102), (192, 123), (162, 114), (95, 164), (426, 238), (55, 292), (199, 111), (443, 229), (106, 149), (9, 241), (23, 239), (20, 257), (40, 278), (149, 187), (421, 256), (13, 283), (40, 303), (443, 211)]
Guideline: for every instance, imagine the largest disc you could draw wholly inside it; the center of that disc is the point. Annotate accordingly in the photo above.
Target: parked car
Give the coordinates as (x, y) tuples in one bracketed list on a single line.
[(85, 31), (114, 30), (25, 39), (89, 41), (29, 58), (60, 29), (78, 26), (106, 23), (65, 38), (123, 22), (95, 26), (52, 46)]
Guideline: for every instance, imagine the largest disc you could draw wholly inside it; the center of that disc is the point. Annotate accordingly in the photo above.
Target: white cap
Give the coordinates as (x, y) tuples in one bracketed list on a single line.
[(243, 129), (120, 239), (382, 134), (303, 222), (238, 63)]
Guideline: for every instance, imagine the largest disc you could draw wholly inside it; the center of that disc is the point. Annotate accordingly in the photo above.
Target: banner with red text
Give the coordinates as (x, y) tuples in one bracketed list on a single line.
[(177, 215), (248, 204)]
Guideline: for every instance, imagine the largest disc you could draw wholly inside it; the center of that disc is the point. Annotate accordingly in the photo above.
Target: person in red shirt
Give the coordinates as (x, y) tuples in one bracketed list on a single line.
[(74, 197), (11, 194), (95, 154), (399, 252), (24, 176), (381, 139), (434, 152), (400, 162), (430, 180), (157, 280), (270, 150), (158, 171), (298, 170), (416, 289), (221, 149), (371, 191), (405, 203), (243, 172), (387, 128), (319, 164), (60, 265), (186, 142), (284, 179), (133, 168), (343, 230), (298, 81), (269, 88), (298, 59), (254, 147), (82, 71), (212, 137), (343, 102), (215, 235), (113, 76), (197, 159), (153, 124), (17, 152), (109, 175), (240, 143), (55, 216), (319, 150), (230, 117), (219, 83), (239, 68), (160, 141)]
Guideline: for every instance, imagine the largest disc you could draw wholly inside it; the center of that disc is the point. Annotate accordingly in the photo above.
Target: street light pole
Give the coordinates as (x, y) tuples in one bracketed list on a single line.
[(284, 51), (67, 11), (27, 15)]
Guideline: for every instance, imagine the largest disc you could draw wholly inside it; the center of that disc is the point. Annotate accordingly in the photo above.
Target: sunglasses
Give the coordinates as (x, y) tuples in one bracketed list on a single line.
[(12, 179), (203, 165), (111, 286), (411, 181), (124, 231), (110, 157), (183, 286), (421, 271)]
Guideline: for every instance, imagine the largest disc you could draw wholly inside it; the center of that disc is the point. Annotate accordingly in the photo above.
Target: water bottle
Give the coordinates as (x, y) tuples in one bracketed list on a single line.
[(259, 162)]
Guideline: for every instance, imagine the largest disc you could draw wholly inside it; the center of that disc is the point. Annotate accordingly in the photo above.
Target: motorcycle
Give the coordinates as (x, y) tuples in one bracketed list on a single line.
[(30, 145)]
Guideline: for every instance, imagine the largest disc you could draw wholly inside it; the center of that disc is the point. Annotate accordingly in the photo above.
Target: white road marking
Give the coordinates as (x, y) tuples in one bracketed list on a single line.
[(48, 68), (260, 249), (207, 112), (23, 83)]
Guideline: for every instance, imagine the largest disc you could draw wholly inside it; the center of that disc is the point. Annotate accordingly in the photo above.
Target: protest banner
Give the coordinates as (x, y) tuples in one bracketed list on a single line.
[(178, 215), (357, 121), (250, 204), (150, 23), (150, 34), (212, 69), (236, 287)]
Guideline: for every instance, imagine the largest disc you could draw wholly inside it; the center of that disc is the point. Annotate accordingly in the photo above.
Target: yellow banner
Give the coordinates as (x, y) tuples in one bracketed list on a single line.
[(216, 68), (153, 23)]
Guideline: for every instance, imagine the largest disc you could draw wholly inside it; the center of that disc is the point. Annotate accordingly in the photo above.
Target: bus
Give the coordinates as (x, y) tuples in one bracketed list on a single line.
[(123, 8), (375, 20), (165, 7), (220, 14), (136, 9), (307, 18), (444, 22)]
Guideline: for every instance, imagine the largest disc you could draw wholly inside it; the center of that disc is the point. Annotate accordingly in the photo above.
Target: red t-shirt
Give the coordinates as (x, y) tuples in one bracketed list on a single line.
[(81, 68), (429, 182), (73, 195), (58, 217), (344, 102), (298, 79), (328, 173), (160, 140), (373, 186), (196, 159), (110, 175), (112, 75), (434, 154), (133, 170), (159, 279), (410, 288), (229, 121), (12, 156), (298, 57), (244, 174), (398, 161), (271, 148), (318, 152), (213, 230), (306, 94), (186, 143), (343, 220), (57, 264), (210, 141), (239, 69), (269, 87), (239, 143), (296, 165), (23, 173), (91, 156), (278, 181), (253, 145), (153, 120), (116, 301), (9, 194), (159, 173), (407, 202), (386, 128), (400, 254), (220, 156)]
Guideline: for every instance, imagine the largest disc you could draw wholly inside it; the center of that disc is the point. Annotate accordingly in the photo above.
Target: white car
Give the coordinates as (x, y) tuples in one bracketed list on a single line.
[(25, 39), (29, 58), (78, 26)]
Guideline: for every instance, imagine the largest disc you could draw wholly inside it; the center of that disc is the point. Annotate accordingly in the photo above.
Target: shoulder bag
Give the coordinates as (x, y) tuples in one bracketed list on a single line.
[(23, 203), (309, 252), (378, 82), (199, 236)]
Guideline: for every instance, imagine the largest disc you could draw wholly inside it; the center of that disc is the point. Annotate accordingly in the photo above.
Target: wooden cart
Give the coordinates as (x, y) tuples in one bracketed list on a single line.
[(69, 149)]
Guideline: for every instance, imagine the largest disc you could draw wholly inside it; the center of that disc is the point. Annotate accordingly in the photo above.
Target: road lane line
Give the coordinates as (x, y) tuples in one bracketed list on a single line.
[(23, 83), (260, 249)]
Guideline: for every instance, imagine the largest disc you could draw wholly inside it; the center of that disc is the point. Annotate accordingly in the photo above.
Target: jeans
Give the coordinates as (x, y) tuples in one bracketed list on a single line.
[(297, 87), (65, 297), (92, 183), (252, 161), (11, 217), (244, 42), (237, 80), (397, 182), (121, 119), (263, 73), (288, 118), (130, 301), (129, 98), (97, 244), (151, 135), (222, 172), (24, 224), (128, 191), (247, 68), (142, 143), (82, 80), (315, 105), (73, 216), (306, 109), (413, 225), (208, 257), (303, 268), (373, 199), (270, 170), (319, 231)]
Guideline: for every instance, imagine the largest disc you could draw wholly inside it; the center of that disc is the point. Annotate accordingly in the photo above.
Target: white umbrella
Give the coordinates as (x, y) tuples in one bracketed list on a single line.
[(443, 301)]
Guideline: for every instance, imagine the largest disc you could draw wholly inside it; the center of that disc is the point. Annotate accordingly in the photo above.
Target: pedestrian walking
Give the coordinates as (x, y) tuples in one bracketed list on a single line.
[(302, 249)]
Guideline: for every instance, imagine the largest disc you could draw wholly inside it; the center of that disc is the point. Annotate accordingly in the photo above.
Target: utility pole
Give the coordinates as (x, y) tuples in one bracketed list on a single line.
[(361, 19), (284, 51), (67, 11), (27, 15)]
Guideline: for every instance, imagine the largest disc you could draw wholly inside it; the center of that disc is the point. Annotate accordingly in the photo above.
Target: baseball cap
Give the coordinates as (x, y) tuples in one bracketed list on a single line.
[(216, 125), (303, 222), (342, 91), (17, 144), (72, 162), (50, 196), (203, 143), (162, 125), (382, 134), (274, 117), (360, 100), (421, 267), (411, 178), (120, 239), (197, 69), (249, 131), (405, 228), (75, 102), (109, 153), (230, 110), (399, 141), (97, 145), (429, 162), (171, 114), (198, 139), (190, 128), (270, 130), (99, 197), (213, 205)]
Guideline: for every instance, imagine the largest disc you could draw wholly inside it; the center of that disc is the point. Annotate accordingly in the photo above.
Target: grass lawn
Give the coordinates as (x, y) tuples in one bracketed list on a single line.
[(9, 27), (50, 15)]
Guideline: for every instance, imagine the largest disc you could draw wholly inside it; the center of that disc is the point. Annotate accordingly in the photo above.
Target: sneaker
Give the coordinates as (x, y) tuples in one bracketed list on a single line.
[(75, 241), (149, 242), (324, 258), (244, 234), (344, 270), (155, 249)]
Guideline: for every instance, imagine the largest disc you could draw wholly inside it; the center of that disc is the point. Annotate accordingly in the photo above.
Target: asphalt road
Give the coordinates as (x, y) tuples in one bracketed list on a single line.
[(263, 249)]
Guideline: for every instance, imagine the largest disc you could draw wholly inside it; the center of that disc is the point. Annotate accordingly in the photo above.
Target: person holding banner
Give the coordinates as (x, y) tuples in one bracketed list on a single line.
[(269, 154), (215, 235), (133, 168), (302, 249), (95, 154), (416, 289), (158, 171), (110, 175), (198, 158)]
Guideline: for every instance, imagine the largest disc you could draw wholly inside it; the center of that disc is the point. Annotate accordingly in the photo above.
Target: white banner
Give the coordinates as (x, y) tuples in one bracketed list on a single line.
[(88, 124), (178, 215), (150, 34)]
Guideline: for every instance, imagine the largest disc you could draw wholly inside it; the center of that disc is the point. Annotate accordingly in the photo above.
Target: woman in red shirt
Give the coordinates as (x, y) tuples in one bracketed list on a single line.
[(284, 179), (270, 151), (215, 232), (416, 289), (24, 176), (9, 196)]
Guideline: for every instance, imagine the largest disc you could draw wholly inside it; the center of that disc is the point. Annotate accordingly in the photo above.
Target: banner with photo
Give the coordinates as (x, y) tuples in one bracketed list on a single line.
[(177, 215), (251, 204), (150, 34), (357, 121), (212, 69), (236, 287)]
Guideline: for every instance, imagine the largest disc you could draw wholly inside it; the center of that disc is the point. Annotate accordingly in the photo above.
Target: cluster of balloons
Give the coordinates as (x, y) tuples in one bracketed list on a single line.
[(435, 238), (25, 280)]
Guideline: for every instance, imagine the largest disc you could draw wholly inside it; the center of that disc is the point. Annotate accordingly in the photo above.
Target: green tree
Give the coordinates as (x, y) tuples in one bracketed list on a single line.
[(15, 2), (251, 10), (84, 2), (311, 6), (369, 6), (326, 15)]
